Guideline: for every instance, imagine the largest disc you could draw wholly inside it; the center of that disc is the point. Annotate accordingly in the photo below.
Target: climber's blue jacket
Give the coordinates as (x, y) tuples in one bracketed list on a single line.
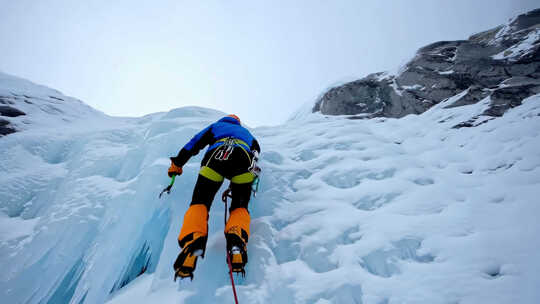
[(215, 135)]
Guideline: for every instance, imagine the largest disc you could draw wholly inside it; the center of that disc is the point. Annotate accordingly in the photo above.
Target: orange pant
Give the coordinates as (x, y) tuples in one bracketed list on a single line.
[(196, 221), (238, 223)]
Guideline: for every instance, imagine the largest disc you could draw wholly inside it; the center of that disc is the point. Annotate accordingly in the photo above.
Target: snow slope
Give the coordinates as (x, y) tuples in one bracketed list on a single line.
[(350, 211), (41, 106)]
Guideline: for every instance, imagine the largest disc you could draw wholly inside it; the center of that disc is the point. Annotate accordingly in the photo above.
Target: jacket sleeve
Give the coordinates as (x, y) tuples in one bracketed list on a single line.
[(193, 147)]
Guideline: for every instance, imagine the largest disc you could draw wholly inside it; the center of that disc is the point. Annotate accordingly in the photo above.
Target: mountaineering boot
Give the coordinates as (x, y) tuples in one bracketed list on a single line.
[(237, 251), (187, 259), (237, 235), (192, 240)]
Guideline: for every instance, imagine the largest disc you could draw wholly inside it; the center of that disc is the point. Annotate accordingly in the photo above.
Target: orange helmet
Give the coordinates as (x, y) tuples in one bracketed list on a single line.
[(234, 116)]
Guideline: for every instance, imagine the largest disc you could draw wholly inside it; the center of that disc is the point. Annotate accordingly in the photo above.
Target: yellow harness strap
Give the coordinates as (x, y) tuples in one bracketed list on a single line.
[(211, 174), (235, 140), (243, 178)]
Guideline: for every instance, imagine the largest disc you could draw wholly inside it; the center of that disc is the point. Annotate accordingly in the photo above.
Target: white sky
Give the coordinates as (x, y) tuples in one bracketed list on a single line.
[(258, 59)]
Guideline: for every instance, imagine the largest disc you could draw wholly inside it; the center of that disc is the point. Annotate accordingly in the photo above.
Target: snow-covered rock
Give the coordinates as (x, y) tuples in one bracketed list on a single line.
[(25, 105), (503, 63)]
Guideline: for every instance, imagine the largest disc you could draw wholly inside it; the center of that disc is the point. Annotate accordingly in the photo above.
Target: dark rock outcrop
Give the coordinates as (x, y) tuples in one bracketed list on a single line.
[(10, 111), (503, 63), (7, 110), (5, 127)]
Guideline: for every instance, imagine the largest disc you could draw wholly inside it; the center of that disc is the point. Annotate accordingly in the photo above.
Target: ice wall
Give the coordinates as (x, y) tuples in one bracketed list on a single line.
[(80, 212)]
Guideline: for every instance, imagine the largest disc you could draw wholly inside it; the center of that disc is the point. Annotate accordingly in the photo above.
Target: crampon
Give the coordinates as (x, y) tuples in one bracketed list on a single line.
[(185, 263)]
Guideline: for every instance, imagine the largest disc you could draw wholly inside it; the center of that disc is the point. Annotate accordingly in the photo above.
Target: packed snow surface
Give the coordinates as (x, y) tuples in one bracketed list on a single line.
[(374, 211)]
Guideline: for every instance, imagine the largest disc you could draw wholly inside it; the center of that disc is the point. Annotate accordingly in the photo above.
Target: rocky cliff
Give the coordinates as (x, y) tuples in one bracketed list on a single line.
[(502, 63)]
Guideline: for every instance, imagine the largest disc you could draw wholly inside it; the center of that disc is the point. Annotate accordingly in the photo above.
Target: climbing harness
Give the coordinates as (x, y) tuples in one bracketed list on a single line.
[(233, 142), (225, 150)]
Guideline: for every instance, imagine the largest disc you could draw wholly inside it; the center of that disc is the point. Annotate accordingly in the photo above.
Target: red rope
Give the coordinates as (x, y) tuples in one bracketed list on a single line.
[(228, 256), (232, 279)]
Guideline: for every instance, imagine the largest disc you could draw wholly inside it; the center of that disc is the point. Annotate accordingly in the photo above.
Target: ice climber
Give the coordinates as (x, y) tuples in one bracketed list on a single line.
[(232, 154)]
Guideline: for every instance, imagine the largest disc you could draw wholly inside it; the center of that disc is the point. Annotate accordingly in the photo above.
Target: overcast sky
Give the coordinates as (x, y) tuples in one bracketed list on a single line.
[(258, 59)]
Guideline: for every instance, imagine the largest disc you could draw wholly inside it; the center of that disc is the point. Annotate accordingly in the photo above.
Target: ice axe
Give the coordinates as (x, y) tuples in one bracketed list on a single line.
[(168, 188)]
